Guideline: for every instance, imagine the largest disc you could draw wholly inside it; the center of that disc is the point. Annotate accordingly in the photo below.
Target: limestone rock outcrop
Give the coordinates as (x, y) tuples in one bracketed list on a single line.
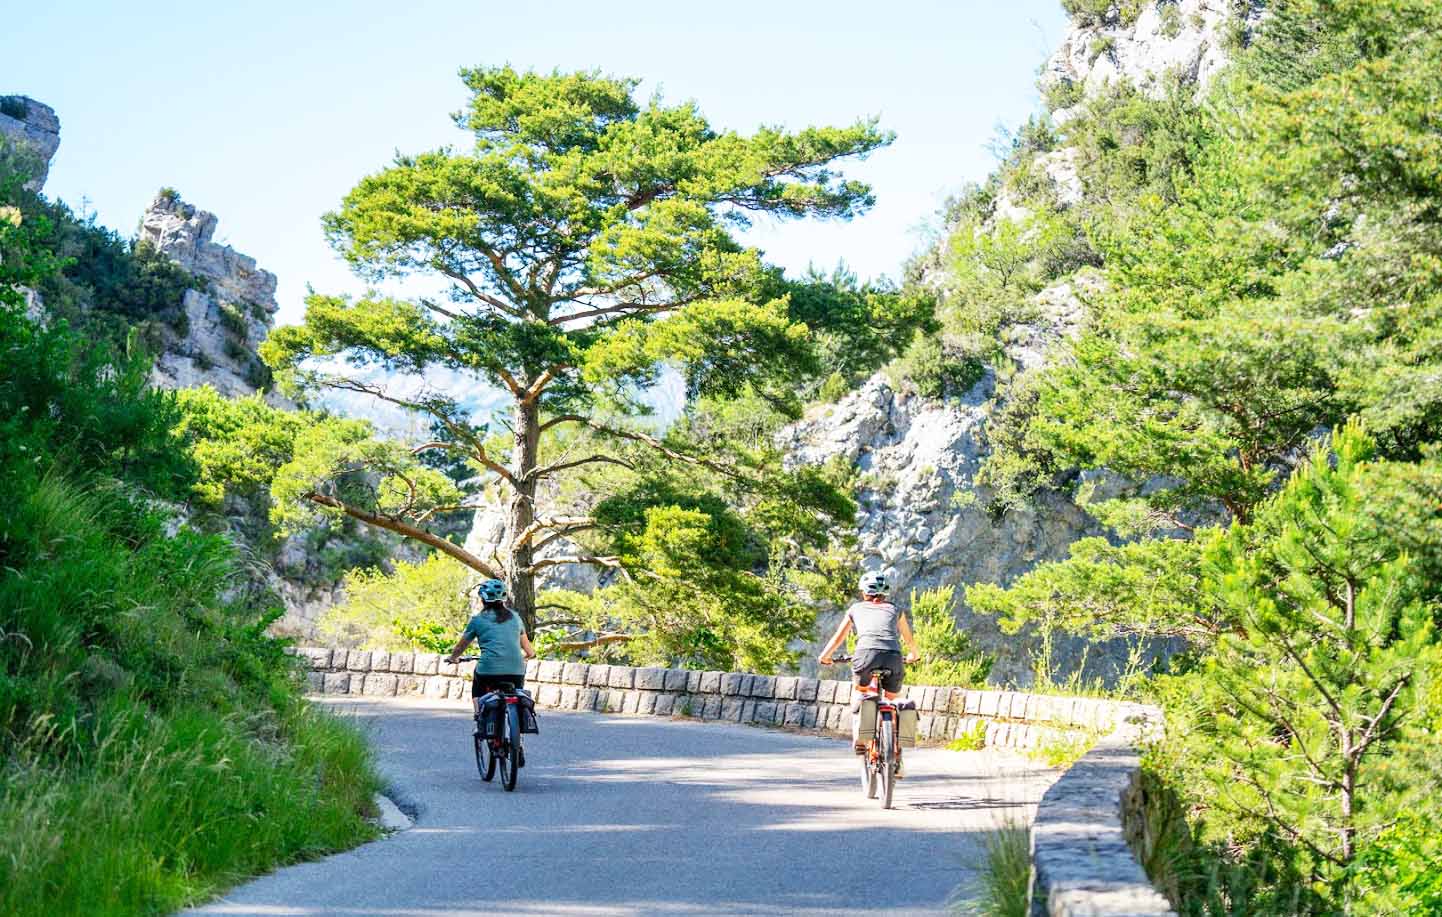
[(1185, 37), (35, 125), (226, 321)]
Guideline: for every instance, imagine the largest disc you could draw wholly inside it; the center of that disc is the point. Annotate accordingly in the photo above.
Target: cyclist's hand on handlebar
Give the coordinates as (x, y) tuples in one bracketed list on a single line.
[(824, 660), (913, 656)]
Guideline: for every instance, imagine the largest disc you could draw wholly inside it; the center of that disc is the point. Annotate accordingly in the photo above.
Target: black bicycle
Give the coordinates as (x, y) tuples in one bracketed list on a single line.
[(497, 736), (882, 757)]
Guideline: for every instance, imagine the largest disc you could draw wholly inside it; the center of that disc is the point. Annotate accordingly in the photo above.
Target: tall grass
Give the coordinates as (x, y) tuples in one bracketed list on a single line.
[(155, 744), (1006, 875)]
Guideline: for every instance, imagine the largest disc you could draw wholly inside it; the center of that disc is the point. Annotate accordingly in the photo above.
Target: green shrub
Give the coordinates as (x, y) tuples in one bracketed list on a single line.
[(419, 606), (14, 107), (974, 739), (947, 654), (154, 743), (232, 318)]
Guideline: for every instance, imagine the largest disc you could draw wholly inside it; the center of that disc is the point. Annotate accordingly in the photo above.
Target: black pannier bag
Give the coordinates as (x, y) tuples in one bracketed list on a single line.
[(489, 711), (526, 707)]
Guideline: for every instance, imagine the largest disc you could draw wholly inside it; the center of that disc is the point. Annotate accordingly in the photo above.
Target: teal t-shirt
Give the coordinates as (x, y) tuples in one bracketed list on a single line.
[(498, 644)]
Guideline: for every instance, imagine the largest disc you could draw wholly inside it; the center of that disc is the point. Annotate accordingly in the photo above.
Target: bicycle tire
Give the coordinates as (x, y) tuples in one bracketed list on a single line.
[(886, 739), (511, 750), (485, 759), (868, 774)]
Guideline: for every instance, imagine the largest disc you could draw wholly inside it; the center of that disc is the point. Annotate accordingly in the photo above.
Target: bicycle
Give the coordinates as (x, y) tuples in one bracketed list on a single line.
[(882, 757), (504, 747)]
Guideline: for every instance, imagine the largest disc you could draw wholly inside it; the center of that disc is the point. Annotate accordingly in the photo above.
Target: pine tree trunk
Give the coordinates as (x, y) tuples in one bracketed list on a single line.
[(522, 512)]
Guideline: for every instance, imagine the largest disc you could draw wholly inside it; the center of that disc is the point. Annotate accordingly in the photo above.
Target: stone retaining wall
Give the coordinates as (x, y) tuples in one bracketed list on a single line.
[(1082, 862), (1010, 719)]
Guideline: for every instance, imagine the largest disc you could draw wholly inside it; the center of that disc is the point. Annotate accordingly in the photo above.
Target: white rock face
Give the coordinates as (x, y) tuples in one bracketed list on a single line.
[(1185, 37), (36, 126), (922, 515), (227, 321)]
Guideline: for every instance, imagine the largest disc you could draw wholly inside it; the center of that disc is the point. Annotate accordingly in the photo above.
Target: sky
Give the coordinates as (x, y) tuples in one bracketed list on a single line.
[(267, 112)]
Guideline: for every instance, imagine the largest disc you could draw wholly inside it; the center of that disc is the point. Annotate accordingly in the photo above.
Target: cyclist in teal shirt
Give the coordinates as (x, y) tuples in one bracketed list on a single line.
[(500, 639)]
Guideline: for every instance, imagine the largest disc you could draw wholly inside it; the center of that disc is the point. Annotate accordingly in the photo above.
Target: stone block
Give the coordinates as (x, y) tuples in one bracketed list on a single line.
[(317, 657), (336, 683), (630, 701), (380, 684), (589, 699), (710, 683), (532, 667), (765, 712), (928, 699), (731, 709), (616, 701), (646, 702), (380, 661), (812, 716), (807, 689), (990, 703), (972, 704), (548, 695), (926, 727), (651, 679), (844, 690), (574, 673), (598, 675), (451, 669), (665, 705), (785, 688), (745, 712), (410, 685), (838, 719), (761, 686), (996, 733), (315, 682), (427, 663), (693, 682), (621, 676), (568, 697), (550, 670), (678, 679), (358, 660), (795, 714), (1044, 711), (733, 683), (357, 684), (825, 691), (403, 663), (711, 707)]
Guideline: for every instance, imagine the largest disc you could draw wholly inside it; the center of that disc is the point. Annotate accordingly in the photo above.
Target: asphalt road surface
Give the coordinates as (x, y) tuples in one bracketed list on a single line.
[(637, 815)]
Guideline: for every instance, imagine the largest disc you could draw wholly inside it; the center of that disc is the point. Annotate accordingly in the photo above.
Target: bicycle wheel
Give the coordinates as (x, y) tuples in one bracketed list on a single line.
[(485, 758), (510, 753), (868, 774), (886, 740)]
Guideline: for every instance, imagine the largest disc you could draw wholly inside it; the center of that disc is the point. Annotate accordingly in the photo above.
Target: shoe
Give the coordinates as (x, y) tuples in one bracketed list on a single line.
[(521, 758)]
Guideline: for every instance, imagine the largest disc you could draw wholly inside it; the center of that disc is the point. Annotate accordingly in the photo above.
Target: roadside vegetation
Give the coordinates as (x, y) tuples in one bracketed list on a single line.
[(154, 743), (1255, 383)]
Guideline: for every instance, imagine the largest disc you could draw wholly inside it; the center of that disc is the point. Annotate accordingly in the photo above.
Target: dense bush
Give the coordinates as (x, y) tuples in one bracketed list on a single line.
[(154, 745)]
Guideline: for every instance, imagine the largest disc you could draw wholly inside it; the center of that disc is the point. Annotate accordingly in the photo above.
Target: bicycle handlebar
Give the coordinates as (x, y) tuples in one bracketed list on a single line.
[(467, 658)]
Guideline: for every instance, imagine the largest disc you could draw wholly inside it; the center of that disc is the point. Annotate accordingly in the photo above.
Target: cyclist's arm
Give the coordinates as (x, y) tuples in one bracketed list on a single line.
[(904, 627), (459, 648), (526, 649), (836, 640)]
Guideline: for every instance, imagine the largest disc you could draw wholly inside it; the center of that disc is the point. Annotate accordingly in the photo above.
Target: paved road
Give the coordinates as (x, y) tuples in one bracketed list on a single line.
[(632, 815)]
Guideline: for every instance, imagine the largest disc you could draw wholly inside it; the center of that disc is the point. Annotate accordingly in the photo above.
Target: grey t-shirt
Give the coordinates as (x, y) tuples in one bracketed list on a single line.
[(875, 624)]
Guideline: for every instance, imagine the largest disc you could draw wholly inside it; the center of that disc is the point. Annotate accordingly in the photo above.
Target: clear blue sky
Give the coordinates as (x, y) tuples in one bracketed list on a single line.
[(267, 112)]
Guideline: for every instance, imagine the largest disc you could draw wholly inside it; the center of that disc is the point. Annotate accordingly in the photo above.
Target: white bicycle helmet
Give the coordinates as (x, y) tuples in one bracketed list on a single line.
[(875, 583)]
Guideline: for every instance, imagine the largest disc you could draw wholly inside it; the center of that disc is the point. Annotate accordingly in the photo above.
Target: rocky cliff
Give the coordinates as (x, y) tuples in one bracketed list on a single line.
[(227, 320), (34, 125)]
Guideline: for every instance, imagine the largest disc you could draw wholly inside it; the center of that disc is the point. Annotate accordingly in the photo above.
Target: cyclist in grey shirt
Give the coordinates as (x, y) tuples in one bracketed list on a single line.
[(880, 630)]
